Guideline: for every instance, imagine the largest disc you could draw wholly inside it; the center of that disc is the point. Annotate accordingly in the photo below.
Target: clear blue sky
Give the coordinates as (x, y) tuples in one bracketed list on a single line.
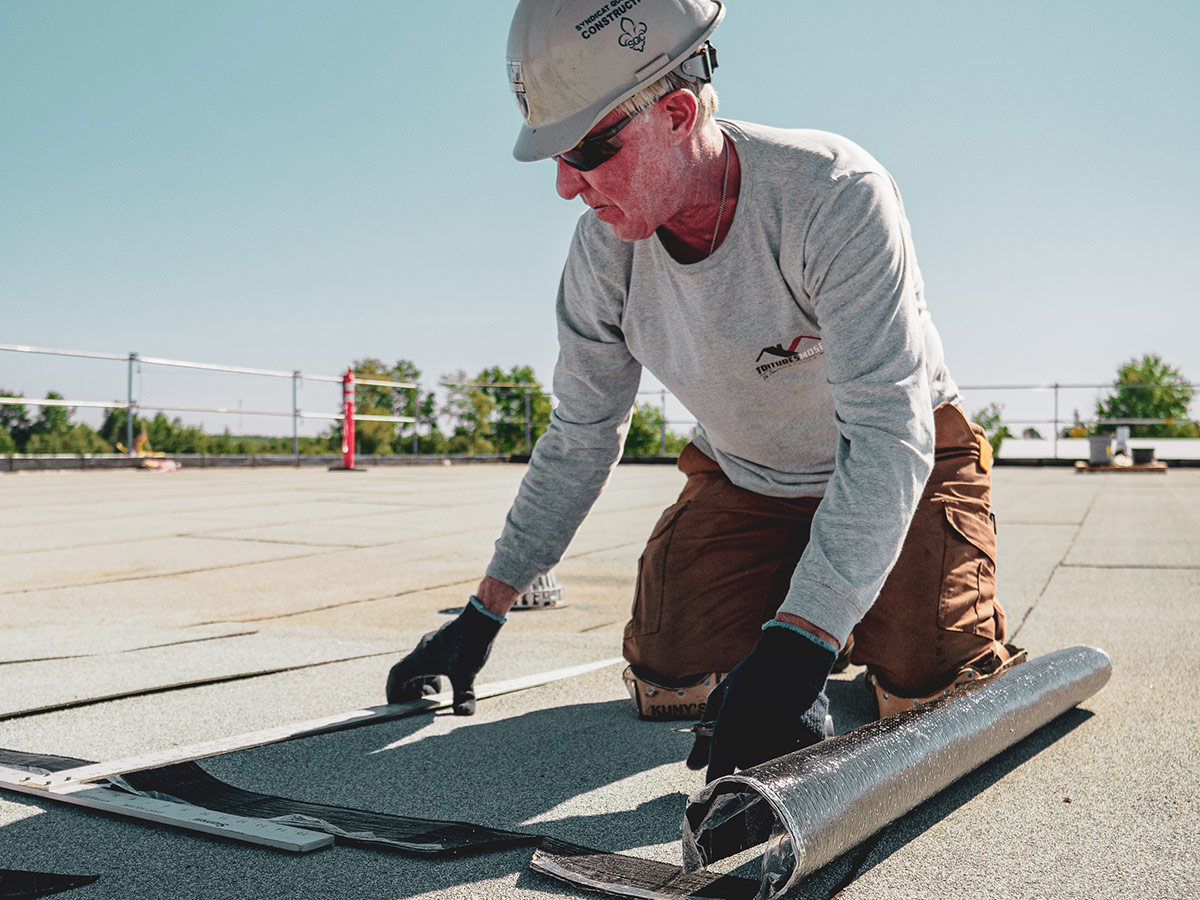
[(293, 185)]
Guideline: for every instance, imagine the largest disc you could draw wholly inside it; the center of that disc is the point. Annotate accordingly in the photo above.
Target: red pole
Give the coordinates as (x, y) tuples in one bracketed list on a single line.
[(348, 419)]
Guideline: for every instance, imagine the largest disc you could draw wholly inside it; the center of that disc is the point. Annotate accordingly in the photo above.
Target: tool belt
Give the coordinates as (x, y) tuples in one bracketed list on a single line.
[(663, 703), (890, 703)]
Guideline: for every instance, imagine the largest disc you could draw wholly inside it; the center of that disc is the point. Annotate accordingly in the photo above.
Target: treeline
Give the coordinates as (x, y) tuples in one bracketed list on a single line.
[(493, 412), (53, 431), (496, 411)]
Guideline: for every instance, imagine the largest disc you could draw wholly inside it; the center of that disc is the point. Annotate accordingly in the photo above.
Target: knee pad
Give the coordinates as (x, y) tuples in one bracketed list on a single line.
[(669, 702), (890, 703)]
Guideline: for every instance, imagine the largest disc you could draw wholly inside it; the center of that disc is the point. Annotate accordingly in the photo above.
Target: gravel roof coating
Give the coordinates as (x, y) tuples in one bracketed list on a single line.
[(145, 581)]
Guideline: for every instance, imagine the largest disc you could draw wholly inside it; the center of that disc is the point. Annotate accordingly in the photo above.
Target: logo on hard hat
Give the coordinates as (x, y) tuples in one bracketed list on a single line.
[(633, 35)]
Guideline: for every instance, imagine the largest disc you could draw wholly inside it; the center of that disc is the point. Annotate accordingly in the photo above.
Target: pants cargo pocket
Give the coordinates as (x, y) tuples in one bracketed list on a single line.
[(968, 594), (646, 616)]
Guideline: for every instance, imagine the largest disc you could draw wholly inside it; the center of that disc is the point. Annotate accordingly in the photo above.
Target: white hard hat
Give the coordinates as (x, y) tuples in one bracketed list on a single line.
[(571, 61)]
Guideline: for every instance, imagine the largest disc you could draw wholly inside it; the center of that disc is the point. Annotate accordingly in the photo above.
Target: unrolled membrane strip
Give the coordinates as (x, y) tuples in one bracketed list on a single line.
[(613, 873), (811, 806), (189, 783)]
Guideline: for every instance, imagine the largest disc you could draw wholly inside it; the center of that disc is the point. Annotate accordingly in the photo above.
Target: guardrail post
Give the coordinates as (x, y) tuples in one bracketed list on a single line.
[(416, 400), (1056, 420), (348, 419), (129, 407), (528, 444), (296, 415), (662, 424)]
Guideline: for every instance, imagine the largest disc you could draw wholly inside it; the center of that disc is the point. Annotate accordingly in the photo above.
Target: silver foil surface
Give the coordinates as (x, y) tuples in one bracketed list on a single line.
[(811, 806)]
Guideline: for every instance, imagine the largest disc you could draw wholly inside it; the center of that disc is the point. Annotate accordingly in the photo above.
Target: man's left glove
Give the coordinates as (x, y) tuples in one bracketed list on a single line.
[(457, 650), (770, 704)]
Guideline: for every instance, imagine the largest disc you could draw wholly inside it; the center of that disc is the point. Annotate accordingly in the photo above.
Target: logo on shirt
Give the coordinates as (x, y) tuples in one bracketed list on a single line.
[(779, 358)]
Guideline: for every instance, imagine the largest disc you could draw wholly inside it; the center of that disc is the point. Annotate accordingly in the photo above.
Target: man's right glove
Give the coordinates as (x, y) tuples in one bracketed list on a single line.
[(457, 650), (770, 704)]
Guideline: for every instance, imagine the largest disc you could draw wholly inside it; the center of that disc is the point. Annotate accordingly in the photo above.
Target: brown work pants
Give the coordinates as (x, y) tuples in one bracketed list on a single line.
[(720, 560)]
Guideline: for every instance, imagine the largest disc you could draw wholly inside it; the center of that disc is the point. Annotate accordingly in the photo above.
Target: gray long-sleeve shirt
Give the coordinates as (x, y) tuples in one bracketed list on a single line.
[(803, 347)]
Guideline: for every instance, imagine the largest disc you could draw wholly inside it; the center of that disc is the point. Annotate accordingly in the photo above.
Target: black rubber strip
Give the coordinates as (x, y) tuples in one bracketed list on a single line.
[(18, 759), (610, 873), (428, 837), (18, 885)]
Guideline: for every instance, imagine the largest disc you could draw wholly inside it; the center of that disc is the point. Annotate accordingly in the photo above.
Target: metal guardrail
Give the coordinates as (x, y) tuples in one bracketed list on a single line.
[(132, 406), (1056, 421)]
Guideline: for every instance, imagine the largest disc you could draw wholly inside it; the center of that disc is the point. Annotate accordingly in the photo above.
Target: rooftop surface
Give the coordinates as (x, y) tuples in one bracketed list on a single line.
[(217, 602)]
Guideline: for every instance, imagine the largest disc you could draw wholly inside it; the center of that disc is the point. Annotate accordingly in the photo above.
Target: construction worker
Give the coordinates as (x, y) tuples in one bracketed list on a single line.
[(766, 277)]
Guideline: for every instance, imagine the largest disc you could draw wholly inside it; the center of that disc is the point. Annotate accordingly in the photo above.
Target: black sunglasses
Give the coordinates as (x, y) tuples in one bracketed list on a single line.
[(597, 148)]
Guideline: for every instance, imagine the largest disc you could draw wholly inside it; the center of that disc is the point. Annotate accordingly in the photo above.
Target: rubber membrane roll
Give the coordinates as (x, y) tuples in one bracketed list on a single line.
[(813, 805)]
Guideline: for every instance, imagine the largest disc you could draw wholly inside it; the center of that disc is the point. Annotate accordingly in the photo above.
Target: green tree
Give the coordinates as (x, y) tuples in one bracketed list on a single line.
[(160, 433), (78, 438), (508, 414), (164, 435), (989, 419), (167, 435), (420, 406), (468, 411), (53, 432), (53, 420), (390, 437), (328, 441), (645, 433), (1148, 388), (372, 400), (112, 429), (430, 439), (14, 421), (221, 443)]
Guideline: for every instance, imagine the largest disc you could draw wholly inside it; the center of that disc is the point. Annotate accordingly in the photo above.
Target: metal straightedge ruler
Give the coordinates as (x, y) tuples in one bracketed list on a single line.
[(178, 815)]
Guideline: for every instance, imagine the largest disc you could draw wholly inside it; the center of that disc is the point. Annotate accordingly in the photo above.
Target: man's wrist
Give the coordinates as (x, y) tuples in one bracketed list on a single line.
[(496, 597)]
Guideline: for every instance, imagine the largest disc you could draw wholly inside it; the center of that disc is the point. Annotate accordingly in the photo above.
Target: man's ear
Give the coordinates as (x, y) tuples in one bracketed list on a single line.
[(682, 109)]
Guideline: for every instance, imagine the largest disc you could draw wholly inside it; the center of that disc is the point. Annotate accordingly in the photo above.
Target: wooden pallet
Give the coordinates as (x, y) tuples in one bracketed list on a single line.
[(1082, 466)]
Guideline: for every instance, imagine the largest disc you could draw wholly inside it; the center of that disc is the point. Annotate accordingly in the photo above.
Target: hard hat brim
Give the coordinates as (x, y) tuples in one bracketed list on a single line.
[(536, 142)]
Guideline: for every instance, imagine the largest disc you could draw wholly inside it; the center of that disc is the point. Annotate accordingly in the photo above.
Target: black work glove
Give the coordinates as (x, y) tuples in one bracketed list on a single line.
[(771, 703), (457, 650)]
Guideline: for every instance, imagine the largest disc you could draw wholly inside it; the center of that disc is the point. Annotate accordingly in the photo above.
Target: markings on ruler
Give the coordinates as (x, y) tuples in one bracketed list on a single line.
[(57, 781), (178, 815)]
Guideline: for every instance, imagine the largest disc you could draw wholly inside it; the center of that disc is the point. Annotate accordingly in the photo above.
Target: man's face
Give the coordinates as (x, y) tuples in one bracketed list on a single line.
[(633, 191)]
